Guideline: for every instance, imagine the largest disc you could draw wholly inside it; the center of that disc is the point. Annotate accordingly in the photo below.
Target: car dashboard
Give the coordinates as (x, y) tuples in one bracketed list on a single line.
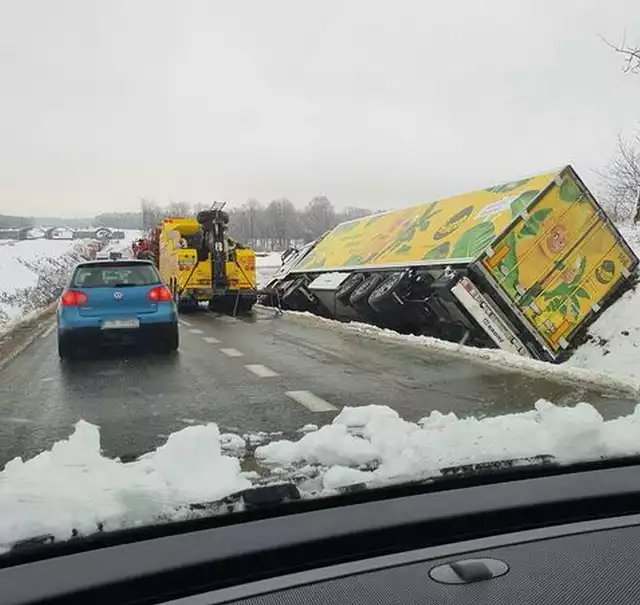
[(569, 537)]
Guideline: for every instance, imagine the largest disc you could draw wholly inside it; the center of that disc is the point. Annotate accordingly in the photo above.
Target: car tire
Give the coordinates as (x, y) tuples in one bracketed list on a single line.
[(347, 287), (359, 298), (384, 298), (170, 342), (66, 348)]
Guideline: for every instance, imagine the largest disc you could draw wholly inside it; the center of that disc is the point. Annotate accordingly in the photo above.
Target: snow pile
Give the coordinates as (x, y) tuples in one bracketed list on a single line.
[(373, 444), (33, 273), (73, 487), (614, 341), (266, 267)]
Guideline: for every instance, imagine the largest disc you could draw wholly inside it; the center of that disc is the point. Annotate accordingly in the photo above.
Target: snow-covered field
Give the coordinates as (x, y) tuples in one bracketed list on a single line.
[(73, 487)]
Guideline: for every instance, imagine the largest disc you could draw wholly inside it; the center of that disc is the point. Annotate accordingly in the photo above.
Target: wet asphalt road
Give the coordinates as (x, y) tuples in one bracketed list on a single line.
[(262, 373)]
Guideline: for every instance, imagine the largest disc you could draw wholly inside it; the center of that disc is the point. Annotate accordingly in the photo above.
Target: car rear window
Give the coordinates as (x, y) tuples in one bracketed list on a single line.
[(115, 275)]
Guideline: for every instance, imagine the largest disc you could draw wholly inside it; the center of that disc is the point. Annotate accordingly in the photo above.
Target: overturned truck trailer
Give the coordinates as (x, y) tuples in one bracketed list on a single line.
[(523, 266)]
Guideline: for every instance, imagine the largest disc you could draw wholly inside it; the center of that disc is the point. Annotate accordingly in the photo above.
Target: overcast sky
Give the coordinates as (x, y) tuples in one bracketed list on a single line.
[(372, 103)]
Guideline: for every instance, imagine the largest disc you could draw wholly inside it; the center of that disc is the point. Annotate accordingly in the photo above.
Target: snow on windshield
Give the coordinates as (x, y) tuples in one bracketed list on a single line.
[(374, 444), (73, 487)]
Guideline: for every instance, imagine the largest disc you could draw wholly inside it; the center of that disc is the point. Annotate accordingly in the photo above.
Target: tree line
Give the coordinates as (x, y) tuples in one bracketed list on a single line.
[(274, 226)]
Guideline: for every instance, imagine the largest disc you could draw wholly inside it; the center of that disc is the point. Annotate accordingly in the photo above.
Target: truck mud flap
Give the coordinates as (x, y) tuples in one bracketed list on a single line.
[(488, 317)]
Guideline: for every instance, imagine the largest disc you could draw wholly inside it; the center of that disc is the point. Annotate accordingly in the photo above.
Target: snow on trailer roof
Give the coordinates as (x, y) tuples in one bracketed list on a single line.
[(448, 231)]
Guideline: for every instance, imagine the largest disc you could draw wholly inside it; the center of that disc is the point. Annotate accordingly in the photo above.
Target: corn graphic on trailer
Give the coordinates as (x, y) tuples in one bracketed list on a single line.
[(527, 263)]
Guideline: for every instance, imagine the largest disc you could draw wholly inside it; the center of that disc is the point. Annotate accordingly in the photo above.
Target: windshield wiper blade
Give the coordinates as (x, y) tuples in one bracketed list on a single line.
[(253, 498), (492, 468)]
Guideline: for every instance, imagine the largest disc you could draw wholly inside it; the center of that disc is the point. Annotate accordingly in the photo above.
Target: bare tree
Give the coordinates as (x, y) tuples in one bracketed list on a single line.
[(179, 209), (152, 213), (253, 210), (319, 216), (630, 53), (621, 177), (621, 181)]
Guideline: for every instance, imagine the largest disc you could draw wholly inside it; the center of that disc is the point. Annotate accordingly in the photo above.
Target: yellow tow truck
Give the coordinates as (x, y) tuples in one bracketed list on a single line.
[(200, 262)]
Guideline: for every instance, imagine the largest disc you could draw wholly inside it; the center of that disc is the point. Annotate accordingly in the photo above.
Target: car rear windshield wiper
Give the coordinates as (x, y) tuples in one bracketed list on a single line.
[(119, 285)]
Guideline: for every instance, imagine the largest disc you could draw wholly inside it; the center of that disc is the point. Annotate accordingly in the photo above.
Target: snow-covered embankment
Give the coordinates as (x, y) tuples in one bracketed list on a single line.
[(32, 272)]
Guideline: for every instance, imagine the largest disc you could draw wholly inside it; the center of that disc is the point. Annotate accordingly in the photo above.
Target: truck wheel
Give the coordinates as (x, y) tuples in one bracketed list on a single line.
[(288, 296), (347, 287), (359, 298), (245, 304), (384, 298)]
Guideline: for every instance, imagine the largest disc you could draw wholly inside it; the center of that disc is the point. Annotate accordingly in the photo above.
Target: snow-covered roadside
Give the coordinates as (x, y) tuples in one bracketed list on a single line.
[(266, 267), (491, 357), (73, 488), (32, 272)]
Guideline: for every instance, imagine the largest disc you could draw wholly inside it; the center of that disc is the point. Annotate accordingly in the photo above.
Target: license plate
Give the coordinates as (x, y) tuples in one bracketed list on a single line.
[(120, 324)]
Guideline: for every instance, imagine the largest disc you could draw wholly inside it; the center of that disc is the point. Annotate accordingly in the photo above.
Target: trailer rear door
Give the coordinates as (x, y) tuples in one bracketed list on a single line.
[(558, 261)]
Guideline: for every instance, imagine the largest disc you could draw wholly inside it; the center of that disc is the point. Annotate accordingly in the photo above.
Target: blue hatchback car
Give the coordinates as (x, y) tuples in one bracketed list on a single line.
[(116, 302)]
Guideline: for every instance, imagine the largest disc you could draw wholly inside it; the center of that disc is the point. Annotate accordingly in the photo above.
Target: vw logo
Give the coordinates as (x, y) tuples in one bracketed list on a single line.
[(117, 295)]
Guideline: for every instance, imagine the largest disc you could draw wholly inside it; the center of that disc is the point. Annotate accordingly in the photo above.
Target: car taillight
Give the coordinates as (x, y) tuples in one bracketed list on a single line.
[(74, 298), (160, 294)]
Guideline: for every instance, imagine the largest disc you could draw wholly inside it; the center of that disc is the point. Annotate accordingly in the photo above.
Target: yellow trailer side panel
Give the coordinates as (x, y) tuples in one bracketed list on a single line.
[(456, 229), (559, 260)]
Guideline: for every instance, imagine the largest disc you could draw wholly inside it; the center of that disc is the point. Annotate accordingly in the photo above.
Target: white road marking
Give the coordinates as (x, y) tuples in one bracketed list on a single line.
[(260, 370), (232, 352), (48, 331), (196, 331), (184, 322), (211, 340), (14, 420), (310, 401), (49, 379)]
